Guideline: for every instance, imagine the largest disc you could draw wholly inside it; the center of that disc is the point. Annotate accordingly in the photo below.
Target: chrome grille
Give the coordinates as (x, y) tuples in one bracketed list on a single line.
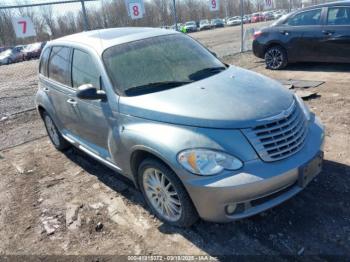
[(280, 136)]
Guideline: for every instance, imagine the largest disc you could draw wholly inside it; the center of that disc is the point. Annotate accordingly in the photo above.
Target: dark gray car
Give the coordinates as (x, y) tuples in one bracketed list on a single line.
[(198, 137)]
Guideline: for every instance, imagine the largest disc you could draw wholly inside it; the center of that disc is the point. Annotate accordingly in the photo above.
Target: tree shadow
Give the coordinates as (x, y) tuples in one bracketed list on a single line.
[(314, 222)]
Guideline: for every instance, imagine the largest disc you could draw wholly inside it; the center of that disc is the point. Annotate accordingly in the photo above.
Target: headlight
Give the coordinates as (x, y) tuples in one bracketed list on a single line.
[(304, 107), (207, 162)]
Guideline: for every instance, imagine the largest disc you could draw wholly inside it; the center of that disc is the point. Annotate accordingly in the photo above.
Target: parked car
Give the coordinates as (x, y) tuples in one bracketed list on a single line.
[(257, 17), (246, 19), (3, 49), (277, 15), (5, 57), (204, 24), (179, 25), (216, 23), (191, 26), (268, 16), (236, 20), (33, 51), (196, 136), (315, 34), (11, 56)]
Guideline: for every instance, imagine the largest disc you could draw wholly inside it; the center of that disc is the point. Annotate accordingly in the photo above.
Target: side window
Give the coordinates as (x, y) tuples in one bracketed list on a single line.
[(59, 65), (305, 18), (43, 62), (338, 16), (84, 70)]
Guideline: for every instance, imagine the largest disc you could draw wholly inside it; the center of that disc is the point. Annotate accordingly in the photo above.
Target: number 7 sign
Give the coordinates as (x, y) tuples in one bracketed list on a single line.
[(23, 27)]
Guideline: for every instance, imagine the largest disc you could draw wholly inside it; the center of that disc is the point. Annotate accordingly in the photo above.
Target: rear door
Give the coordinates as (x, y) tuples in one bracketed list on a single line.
[(59, 86), (304, 31), (336, 35)]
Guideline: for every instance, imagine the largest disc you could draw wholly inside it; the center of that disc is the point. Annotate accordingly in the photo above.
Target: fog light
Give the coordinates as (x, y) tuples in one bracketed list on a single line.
[(230, 209)]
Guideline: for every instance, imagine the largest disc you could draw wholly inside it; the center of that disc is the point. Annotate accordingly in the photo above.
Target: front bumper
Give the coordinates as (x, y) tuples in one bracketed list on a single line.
[(258, 49), (258, 186)]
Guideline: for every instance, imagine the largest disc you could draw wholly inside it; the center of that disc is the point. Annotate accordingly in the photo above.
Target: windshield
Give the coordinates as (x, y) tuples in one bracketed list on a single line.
[(172, 59), (280, 20), (190, 23), (204, 21)]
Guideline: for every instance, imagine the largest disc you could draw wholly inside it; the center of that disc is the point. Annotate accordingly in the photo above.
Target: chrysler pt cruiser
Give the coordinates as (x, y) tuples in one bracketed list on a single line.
[(198, 137)]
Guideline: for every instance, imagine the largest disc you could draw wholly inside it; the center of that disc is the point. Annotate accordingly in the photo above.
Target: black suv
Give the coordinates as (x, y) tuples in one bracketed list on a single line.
[(319, 33)]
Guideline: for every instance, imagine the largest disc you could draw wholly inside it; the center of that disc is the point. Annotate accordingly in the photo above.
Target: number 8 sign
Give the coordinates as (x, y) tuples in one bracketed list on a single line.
[(268, 4), (214, 5), (135, 10)]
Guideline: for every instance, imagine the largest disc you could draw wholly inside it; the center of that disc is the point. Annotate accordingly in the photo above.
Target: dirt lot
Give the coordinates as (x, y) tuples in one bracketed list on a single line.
[(55, 203), (227, 41)]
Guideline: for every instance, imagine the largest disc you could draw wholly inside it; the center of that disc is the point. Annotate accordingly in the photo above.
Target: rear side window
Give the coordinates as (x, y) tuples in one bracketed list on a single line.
[(306, 18), (59, 65), (84, 70), (338, 16), (43, 62)]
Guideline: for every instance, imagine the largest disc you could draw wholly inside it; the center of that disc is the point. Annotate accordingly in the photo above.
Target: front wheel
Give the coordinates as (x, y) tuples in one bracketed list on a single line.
[(165, 194), (276, 58)]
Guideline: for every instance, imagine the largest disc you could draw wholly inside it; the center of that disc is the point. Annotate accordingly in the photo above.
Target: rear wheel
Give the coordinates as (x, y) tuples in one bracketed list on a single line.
[(54, 134), (276, 58), (165, 194)]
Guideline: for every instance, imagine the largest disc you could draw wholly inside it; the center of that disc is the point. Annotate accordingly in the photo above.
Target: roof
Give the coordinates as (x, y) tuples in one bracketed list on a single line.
[(346, 3), (104, 38)]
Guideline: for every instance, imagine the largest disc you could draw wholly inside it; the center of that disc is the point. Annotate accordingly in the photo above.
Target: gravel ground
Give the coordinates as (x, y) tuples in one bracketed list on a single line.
[(227, 41), (55, 203)]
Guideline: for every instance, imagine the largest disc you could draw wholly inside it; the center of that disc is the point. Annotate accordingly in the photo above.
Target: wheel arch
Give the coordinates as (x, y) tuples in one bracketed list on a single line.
[(141, 153), (275, 43)]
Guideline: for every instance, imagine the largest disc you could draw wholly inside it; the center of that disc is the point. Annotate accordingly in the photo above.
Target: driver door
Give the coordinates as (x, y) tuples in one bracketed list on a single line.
[(94, 115)]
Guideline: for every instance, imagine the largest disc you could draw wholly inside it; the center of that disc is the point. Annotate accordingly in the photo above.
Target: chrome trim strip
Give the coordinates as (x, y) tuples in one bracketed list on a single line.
[(92, 154)]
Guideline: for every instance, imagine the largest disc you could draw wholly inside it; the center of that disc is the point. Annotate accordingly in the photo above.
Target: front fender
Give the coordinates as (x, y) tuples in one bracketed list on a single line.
[(165, 141)]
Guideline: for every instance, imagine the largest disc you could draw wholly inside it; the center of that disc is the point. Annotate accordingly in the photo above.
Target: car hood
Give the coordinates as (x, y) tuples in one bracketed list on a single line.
[(234, 98)]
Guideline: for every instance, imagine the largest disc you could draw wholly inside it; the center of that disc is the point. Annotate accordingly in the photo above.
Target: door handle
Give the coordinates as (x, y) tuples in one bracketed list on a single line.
[(326, 32), (72, 102), (284, 32)]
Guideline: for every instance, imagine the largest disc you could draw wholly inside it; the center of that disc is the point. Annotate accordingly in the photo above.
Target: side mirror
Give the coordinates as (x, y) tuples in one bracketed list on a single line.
[(214, 54), (89, 92)]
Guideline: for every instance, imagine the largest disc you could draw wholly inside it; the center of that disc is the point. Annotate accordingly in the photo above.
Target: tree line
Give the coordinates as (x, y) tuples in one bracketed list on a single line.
[(53, 22)]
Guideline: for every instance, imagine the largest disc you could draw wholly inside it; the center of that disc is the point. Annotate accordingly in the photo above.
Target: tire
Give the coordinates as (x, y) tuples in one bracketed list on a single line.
[(9, 61), (184, 214), (54, 134), (276, 58)]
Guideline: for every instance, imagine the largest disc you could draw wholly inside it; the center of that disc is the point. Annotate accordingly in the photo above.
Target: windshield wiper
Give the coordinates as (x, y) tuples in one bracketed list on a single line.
[(203, 73), (154, 87)]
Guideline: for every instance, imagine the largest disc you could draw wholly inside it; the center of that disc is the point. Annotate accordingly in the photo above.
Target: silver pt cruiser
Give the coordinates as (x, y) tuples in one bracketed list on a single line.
[(198, 137)]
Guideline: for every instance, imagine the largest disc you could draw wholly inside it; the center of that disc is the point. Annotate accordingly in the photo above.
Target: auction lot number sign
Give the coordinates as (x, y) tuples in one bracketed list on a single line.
[(23, 27), (135, 8), (214, 5), (268, 4)]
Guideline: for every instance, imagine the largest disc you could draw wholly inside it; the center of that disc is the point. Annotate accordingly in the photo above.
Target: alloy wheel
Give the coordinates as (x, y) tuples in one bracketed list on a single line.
[(274, 58), (162, 194)]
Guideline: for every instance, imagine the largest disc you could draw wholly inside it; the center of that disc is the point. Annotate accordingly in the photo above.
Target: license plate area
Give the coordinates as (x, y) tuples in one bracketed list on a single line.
[(310, 170)]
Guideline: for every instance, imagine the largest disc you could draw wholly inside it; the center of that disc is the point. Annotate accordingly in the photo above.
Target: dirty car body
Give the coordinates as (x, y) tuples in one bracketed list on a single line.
[(237, 142)]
